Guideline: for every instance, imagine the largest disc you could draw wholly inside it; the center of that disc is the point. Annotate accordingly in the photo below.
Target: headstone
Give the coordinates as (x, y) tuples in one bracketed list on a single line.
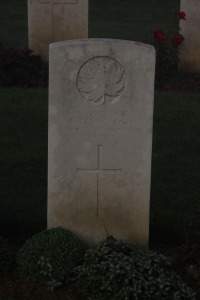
[(100, 138), (190, 29), (55, 20)]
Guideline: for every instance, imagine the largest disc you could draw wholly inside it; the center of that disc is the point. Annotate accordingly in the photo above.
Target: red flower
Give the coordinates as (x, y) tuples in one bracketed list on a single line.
[(158, 36), (182, 15), (177, 39)]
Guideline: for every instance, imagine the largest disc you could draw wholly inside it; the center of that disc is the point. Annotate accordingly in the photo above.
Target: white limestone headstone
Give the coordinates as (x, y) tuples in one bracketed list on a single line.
[(190, 29), (101, 95), (55, 20)]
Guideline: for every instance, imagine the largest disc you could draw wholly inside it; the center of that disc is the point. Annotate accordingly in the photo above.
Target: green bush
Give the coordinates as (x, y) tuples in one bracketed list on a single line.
[(6, 257), (50, 256), (20, 67), (167, 50), (118, 271)]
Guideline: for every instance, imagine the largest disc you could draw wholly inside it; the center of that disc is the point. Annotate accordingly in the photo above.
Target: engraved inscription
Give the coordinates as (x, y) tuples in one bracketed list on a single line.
[(103, 125), (101, 80), (98, 172)]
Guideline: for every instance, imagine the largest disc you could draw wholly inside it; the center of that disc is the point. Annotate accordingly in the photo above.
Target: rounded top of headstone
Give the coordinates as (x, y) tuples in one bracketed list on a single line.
[(100, 41)]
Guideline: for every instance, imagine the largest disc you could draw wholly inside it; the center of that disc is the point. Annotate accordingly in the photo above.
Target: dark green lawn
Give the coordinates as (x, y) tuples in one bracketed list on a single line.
[(175, 204), (130, 18), (123, 19), (23, 159), (13, 23)]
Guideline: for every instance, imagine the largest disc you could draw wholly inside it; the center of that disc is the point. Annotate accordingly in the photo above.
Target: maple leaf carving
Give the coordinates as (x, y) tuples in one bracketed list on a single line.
[(100, 80)]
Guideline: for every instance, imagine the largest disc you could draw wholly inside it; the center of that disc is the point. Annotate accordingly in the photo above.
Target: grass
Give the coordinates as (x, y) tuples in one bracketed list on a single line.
[(175, 165), (23, 159), (13, 23), (127, 19)]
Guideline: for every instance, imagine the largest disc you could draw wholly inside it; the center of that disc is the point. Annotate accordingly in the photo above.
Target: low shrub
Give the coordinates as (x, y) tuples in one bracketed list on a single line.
[(116, 270), (167, 50), (50, 256), (20, 67), (6, 257)]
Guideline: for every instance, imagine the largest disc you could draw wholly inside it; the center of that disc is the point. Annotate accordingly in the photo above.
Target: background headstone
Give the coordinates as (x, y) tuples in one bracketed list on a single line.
[(190, 29), (100, 138), (56, 20)]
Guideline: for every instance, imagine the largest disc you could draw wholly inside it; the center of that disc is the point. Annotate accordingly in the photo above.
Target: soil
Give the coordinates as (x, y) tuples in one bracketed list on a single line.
[(15, 288)]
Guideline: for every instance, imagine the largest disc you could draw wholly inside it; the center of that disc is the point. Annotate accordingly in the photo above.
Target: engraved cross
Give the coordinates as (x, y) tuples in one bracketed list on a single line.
[(99, 172), (58, 17)]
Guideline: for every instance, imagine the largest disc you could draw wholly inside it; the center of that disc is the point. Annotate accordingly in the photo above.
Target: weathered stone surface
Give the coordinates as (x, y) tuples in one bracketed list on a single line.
[(190, 29), (100, 138), (55, 20)]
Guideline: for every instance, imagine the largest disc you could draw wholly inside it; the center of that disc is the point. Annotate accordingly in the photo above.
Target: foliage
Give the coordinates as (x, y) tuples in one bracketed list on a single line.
[(50, 256), (47, 272), (166, 61), (20, 67), (6, 257), (166, 45), (116, 270)]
